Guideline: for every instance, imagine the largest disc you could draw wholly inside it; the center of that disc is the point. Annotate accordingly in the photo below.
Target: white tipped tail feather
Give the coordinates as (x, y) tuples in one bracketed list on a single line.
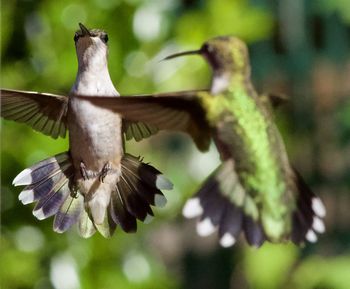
[(217, 204), (192, 208), (205, 227), (50, 184), (227, 240), (318, 207)]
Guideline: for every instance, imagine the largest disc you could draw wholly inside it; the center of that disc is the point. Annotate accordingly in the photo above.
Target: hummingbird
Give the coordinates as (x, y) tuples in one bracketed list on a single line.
[(95, 183), (255, 189)]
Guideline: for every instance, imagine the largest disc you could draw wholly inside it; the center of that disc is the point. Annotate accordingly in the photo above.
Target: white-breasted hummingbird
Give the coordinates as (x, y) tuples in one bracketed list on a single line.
[(95, 183)]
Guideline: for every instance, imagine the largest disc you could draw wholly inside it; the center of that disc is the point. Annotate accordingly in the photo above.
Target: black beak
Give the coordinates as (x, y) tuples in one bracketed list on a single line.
[(84, 30), (183, 54)]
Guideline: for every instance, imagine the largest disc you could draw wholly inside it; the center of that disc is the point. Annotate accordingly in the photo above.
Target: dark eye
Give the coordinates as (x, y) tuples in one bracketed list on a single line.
[(76, 37), (104, 38), (206, 48)]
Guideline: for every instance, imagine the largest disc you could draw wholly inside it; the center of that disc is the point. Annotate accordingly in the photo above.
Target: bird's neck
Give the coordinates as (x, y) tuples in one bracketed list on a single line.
[(93, 79), (92, 58), (93, 75), (223, 80)]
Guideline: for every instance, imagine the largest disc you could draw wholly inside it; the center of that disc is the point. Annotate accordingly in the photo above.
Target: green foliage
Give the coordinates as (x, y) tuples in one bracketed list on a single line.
[(16, 273), (269, 267)]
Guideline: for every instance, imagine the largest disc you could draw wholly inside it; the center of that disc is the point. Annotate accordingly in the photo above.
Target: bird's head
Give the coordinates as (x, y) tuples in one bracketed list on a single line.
[(227, 56), (91, 46), (227, 53)]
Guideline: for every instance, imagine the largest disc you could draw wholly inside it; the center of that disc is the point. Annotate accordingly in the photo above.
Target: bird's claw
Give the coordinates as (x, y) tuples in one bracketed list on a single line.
[(106, 169), (86, 174), (83, 171)]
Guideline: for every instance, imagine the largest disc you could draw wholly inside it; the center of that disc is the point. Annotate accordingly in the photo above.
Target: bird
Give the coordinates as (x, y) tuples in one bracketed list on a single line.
[(255, 190), (95, 183)]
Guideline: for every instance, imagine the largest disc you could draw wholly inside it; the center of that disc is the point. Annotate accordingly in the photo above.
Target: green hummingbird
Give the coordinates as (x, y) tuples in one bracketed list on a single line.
[(255, 190)]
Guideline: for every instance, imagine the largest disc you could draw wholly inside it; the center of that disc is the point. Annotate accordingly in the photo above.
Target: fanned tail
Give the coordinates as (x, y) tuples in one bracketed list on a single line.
[(223, 204), (49, 183), (137, 190)]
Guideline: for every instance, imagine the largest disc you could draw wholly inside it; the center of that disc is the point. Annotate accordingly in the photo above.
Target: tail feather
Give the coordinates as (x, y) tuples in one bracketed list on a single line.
[(69, 213), (120, 214), (231, 225), (49, 205), (42, 170), (150, 180), (137, 190), (46, 182), (220, 204), (135, 205), (147, 173), (223, 204), (34, 192), (211, 205), (146, 191), (211, 208), (86, 227), (107, 227), (49, 183), (253, 232), (307, 218)]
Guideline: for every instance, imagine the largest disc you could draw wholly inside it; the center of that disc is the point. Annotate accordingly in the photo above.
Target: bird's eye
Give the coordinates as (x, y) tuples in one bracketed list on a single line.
[(76, 37), (206, 48), (104, 38)]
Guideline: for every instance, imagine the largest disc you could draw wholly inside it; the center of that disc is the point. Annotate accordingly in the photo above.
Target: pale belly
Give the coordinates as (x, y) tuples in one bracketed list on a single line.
[(95, 139)]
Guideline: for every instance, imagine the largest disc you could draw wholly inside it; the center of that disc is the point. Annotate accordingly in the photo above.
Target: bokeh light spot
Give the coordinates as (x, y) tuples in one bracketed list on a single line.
[(136, 267), (29, 239), (72, 15), (146, 24), (135, 63), (63, 272)]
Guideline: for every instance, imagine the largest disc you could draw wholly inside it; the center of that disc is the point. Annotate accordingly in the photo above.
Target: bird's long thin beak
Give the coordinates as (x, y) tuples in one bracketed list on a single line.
[(183, 54), (84, 30)]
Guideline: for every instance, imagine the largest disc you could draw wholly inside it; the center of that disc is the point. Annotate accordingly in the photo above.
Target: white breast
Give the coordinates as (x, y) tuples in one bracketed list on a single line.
[(95, 133)]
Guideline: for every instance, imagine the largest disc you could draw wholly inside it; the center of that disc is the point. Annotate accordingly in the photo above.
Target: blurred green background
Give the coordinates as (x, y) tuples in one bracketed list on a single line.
[(299, 48)]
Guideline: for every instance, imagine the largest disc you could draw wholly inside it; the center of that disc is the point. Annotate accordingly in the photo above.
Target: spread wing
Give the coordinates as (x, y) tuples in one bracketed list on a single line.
[(138, 130), (44, 112), (178, 111)]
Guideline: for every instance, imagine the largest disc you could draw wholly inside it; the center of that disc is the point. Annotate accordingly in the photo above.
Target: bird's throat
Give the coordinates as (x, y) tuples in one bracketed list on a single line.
[(220, 83)]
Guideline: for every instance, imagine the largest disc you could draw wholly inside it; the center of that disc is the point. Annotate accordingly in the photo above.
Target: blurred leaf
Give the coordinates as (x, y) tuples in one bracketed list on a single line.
[(269, 266), (318, 272)]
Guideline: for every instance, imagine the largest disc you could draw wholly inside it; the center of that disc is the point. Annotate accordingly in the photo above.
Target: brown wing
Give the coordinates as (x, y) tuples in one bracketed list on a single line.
[(138, 130), (179, 111), (44, 112)]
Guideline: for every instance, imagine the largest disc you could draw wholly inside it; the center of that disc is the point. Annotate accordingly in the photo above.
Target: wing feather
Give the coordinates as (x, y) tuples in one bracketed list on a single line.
[(44, 112), (179, 111)]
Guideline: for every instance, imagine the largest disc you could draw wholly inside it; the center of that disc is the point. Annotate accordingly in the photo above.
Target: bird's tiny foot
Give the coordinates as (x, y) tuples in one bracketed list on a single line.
[(106, 169), (73, 190), (83, 171), (74, 194), (86, 174)]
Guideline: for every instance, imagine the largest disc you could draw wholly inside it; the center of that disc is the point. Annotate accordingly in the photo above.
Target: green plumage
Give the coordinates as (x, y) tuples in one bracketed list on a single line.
[(244, 127)]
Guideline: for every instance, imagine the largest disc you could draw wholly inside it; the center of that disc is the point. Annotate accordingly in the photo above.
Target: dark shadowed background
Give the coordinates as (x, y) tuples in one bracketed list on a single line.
[(299, 48)]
